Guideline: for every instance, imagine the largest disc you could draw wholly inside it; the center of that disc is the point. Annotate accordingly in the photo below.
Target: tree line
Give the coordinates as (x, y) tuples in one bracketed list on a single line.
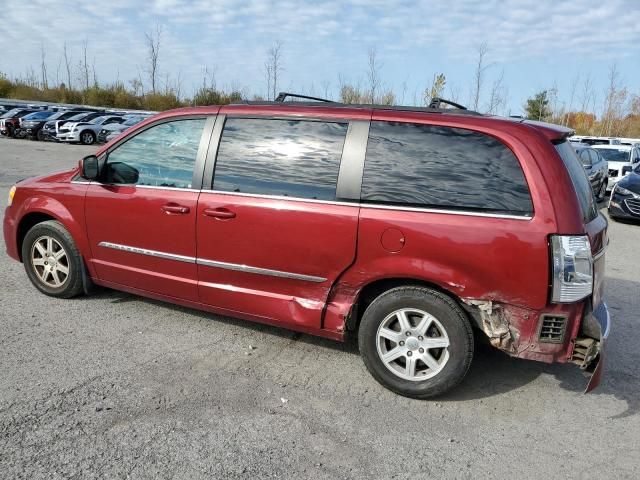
[(613, 112)]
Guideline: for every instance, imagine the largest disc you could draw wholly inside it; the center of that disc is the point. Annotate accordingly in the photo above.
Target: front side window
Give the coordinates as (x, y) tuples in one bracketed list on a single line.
[(161, 156), (294, 158), (442, 167)]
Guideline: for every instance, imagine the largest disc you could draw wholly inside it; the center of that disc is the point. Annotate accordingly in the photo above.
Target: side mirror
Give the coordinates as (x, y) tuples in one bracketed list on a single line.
[(90, 169)]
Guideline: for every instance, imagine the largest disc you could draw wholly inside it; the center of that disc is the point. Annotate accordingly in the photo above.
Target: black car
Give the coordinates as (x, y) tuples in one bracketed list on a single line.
[(35, 128), (625, 197), (51, 128), (31, 124), (596, 168)]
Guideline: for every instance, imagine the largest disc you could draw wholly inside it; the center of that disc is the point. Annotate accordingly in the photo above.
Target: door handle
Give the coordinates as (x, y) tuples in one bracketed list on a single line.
[(175, 209), (221, 213)]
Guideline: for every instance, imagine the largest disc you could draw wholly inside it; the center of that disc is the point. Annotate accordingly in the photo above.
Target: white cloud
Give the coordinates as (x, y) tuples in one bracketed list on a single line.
[(321, 37)]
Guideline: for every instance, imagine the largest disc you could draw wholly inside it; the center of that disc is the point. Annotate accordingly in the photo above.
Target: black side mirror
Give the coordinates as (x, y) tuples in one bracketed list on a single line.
[(90, 168)]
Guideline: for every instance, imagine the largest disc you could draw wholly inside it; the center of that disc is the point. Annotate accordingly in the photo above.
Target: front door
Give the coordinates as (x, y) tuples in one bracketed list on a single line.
[(272, 239), (141, 216)]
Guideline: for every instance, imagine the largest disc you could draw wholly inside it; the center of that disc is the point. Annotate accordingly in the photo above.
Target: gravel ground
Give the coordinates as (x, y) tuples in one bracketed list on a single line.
[(117, 386)]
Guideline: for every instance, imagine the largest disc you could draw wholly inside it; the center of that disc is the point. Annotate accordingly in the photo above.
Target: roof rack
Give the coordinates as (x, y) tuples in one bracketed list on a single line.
[(437, 101), (282, 96), (436, 105)]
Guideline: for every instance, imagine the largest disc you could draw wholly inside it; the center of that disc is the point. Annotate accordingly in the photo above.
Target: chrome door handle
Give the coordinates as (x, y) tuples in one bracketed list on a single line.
[(175, 209), (221, 213)]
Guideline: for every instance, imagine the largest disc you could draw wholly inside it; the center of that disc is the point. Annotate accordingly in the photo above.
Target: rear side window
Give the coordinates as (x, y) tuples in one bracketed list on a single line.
[(580, 181), (442, 167), (294, 158)]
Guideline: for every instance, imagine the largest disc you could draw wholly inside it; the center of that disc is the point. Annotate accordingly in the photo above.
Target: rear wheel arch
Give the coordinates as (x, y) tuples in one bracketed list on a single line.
[(372, 290)]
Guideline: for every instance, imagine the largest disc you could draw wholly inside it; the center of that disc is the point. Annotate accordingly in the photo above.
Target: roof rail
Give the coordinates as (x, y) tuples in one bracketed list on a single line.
[(283, 95), (437, 101)]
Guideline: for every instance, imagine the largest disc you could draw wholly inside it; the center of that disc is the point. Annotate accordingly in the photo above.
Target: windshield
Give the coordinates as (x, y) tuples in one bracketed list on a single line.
[(615, 155), (78, 117), (11, 113), (99, 120), (133, 121), (38, 115)]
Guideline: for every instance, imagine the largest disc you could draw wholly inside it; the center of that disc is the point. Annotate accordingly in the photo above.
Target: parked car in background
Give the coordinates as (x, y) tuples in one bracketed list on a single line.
[(86, 132), (596, 168), (40, 130), (625, 197), (339, 221), (52, 128), (31, 124), (621, 159), (113, 130), (595, 140), (10, 120)]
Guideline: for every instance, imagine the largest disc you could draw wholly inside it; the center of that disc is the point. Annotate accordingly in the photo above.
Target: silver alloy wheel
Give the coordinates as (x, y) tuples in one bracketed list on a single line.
[(50, 261), (86, 138), (412, 344)]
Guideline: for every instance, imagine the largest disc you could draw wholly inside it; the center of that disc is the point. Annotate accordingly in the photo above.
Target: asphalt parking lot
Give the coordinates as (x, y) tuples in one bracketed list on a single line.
[(117, 386)]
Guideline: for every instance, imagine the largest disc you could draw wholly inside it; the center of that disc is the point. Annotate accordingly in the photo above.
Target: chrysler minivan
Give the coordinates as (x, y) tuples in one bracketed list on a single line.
[(414, 230)]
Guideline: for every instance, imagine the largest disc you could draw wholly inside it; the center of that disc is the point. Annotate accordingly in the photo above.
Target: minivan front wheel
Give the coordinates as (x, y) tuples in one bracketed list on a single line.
[(416, 341), (52, 261)]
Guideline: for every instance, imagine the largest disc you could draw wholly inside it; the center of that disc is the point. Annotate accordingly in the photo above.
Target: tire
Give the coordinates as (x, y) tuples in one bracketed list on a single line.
[(447, 324), (40, 136), (41, 251), (87, 137), (602, 193)]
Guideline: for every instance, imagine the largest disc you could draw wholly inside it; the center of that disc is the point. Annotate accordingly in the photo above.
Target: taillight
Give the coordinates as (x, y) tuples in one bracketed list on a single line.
[(572, 268)]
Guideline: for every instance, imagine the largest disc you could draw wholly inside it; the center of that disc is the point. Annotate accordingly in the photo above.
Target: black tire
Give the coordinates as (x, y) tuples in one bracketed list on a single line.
[(91, 138), (602, 193), (40, 136), (72, 284), (451, 317)]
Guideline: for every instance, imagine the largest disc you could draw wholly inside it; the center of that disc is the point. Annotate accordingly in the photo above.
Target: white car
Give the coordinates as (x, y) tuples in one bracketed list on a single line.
[(621, 160), (86, 132)]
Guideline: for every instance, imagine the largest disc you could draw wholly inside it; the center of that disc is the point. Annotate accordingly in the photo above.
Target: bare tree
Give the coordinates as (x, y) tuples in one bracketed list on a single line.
[(67, 63), (273, 67), (373, 75), (325, 84), (573, 87), (478, 76), (153, 49), (84, 65), (497, 98), (43, 67), (614, 103)]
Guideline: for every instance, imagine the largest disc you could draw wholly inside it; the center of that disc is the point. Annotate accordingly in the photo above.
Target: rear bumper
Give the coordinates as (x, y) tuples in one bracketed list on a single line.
[(597, 323)]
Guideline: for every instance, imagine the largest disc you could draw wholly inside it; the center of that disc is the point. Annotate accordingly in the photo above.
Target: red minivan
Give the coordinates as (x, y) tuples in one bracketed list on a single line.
[(414, 229)]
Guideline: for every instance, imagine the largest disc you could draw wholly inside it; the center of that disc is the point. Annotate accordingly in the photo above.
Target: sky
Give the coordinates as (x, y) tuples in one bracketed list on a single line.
[(532, 44)]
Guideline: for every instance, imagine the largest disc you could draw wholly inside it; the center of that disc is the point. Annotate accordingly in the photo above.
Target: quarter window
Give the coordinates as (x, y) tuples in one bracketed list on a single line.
[(442, 167), (295, 158), (161, 156)]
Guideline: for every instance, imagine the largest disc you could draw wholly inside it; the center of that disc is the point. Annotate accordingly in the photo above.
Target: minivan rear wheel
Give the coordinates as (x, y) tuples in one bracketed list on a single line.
[(416, 341)]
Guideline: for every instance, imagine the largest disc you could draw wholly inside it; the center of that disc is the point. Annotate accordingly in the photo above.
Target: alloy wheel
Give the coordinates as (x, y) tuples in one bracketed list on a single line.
[(50, 262), (412, 344), (87, 138)]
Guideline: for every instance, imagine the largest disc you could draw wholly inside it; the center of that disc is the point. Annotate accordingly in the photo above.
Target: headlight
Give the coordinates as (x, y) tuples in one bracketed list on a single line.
[(623, 191), (12, 193), (572, 268)]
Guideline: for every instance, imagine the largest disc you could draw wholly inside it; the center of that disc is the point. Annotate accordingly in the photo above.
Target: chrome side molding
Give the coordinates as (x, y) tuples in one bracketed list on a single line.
[(213, 263)]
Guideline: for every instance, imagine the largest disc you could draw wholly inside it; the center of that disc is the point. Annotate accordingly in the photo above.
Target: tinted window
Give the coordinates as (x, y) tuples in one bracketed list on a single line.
[(595, 158), (580, 181), (433, 166), (293, 158), (162, 156), (585, 158), (615, 155)]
